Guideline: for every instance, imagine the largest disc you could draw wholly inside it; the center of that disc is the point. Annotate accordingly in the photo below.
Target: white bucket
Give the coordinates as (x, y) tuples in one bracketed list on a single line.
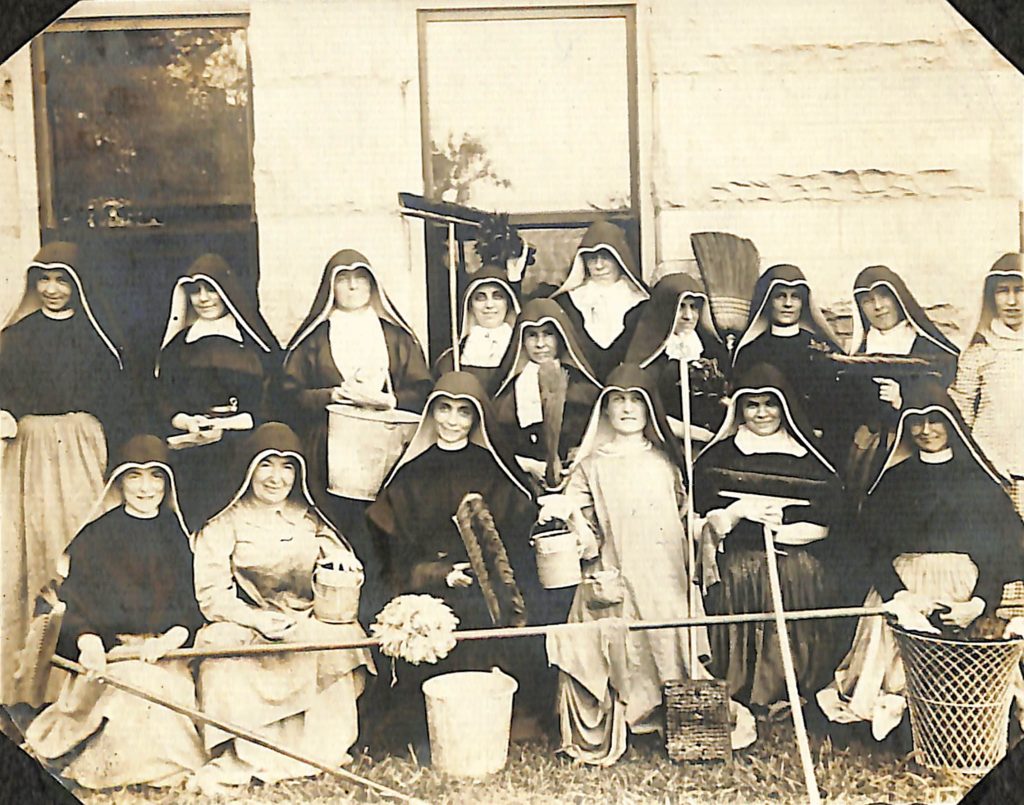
[(558, 562), (363, 446), (469, 718)]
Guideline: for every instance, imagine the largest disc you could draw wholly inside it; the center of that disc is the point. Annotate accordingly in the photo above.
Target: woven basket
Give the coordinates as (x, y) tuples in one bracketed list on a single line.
[(959, 693), (697, 727)]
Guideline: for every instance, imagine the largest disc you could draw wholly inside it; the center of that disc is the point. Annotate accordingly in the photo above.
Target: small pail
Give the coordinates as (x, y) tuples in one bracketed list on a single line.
[(469, 718), (336, 594), (558, 562), (363, 446)]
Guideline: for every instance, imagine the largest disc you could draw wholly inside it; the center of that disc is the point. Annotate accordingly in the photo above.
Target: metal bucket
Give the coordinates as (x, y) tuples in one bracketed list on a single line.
[(558, 562), (363, 446)]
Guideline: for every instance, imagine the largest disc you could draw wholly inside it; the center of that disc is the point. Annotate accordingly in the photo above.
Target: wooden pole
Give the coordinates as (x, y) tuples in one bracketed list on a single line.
[(803, 745), (200, 717), (1020, 224), (453, 295), (691, 557), (504, 632)]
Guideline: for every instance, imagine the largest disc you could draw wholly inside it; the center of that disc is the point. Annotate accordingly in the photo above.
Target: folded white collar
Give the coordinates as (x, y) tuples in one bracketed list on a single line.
[(225, 326)]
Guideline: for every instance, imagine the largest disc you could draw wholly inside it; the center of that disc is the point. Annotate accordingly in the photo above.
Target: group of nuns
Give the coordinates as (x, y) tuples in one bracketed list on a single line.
[(571, 407)]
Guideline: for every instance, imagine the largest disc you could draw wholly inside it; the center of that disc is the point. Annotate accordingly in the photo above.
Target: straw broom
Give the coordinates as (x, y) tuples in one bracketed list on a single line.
[(729, 266)]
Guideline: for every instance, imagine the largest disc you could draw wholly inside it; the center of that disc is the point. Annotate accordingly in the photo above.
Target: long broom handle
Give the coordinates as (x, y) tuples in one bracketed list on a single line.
[(691, 557), (200, 717), (504, 632), (803, 745), (453, 290)]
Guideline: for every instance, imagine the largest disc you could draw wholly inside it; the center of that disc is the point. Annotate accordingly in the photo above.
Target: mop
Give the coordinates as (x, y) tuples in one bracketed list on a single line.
[(781, 483)]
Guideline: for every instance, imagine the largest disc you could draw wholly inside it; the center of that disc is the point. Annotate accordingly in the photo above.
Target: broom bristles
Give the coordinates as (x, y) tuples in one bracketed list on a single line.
[(729, 266)]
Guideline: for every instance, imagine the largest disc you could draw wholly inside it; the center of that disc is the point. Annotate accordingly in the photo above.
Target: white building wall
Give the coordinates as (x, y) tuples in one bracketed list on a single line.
[(337, 136), (19, 207), (833, 134), (836, 135)]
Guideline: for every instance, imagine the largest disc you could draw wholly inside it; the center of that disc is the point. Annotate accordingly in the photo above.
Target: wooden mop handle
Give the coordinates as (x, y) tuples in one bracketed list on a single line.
[(691, 556), (453, 290), (264, 649), (803, 745), (200, 717)]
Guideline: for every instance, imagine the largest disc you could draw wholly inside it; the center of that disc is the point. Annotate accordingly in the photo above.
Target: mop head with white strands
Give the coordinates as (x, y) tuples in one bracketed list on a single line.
[(416, 628)]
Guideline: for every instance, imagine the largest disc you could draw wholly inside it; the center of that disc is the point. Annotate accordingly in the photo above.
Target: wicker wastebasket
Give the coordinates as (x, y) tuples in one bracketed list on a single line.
[(959, 692)]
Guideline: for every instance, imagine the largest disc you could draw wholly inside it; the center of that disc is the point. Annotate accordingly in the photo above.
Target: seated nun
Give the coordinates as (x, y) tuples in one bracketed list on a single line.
[(213, 373), (452, 454), (763, 454), (254, 577), (603, 296), (422, 522), (939, 537), (677, 330), (489, 311), (626, 500), (128, 588), (544, 390)]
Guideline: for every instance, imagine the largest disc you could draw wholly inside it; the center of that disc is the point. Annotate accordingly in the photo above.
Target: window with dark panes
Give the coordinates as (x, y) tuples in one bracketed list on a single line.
[(145, 125), (144, 131), (530, 112)]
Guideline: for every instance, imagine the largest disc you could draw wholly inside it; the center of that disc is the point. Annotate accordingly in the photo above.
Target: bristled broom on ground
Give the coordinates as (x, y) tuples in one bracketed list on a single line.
[(729, 266)]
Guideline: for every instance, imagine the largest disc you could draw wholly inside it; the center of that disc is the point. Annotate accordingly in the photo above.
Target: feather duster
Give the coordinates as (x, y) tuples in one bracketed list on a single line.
[(554, 385), (729, 266)]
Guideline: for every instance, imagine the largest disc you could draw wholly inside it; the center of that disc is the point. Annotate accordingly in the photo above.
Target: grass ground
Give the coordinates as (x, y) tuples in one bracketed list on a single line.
[(768, 772)]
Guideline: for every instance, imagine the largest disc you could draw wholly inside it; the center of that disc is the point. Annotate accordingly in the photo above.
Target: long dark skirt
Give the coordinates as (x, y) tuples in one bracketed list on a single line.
[(748, 655)]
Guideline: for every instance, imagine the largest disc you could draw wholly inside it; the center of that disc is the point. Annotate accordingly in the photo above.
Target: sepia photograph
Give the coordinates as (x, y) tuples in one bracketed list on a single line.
[(476, 401)]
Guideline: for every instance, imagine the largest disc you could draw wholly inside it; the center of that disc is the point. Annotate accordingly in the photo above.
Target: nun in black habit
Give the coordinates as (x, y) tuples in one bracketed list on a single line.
[(452, 454), (675, 330), (939, 537), (889, 327), (603, 296), (61, 399), (765, 434), (788, 330), (354, 353), (214, 371), (128, 586), (544, 391), (489, 310)]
